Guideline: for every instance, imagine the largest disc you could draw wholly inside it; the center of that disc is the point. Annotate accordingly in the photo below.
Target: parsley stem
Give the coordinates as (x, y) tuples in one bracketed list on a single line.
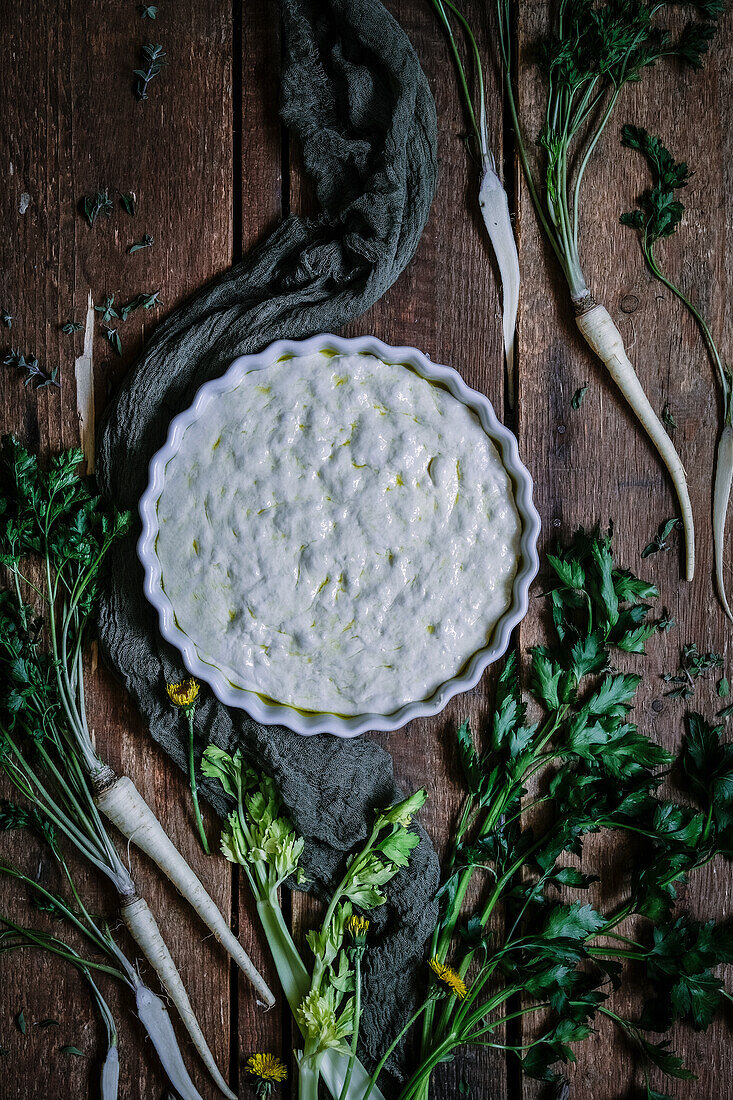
[(193, 784)]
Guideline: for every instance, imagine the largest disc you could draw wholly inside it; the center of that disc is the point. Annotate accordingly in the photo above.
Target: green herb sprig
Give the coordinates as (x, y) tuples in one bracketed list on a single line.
[(145, 242), (659, 542), (692, 666), (36, 376), (97, 205), (658, 216), (154, 59)]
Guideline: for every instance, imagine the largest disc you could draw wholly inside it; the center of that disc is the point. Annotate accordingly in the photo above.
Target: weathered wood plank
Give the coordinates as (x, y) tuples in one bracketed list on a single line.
[(259, 201), (593, 464), (72, 124)]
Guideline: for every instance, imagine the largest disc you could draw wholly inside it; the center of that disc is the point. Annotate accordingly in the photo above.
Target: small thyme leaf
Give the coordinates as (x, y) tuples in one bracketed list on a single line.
[(72, 326), (73, 1050), (145, 242), (154, 59), (113, 336), (667, 418), (577, 398), (723, 688), (20, 1022), (659, 542), (97, 205), (107, 309), (148, 11), (6, 318), (35, 376), (128, 199), (726, 712), (47, 1023)]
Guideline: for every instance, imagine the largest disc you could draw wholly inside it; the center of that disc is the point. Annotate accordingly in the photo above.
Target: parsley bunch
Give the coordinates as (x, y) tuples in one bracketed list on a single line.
[(589, 768)]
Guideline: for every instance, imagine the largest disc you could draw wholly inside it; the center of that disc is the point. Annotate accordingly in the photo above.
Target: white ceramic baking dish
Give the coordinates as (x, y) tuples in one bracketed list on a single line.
[(305, 722)]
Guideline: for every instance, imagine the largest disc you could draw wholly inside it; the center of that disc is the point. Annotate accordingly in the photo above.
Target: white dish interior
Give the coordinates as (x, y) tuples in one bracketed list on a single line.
[(263, 708)]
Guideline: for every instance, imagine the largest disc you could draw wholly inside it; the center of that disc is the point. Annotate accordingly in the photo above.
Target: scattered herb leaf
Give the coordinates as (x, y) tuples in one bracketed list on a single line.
[(107, 309), (148, 11), (113, 336), (98, 205), (47, 1023), (144, 301), (20, 1022), (577, 398), (726, 712), (73, 1050), (659, 542), (7, 318), (35, 374), (146, 242), (128, 200), (72, 326), (723, 688), (154, 59), (693, 665), (667, 418), (666, 622)]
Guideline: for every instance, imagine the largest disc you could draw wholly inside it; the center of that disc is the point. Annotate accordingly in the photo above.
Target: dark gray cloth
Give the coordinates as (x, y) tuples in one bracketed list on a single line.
[(355, 96)]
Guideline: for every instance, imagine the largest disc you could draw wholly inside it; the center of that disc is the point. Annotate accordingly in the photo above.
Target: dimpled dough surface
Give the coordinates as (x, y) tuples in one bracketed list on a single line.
[(337, 534)]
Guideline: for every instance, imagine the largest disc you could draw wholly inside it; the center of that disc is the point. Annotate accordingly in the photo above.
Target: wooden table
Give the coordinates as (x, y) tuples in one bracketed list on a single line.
[(213, 173)]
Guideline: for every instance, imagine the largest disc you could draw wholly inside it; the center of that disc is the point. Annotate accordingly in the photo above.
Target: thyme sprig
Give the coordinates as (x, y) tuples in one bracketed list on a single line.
[(35, 374), (154, 59), (97, 205)]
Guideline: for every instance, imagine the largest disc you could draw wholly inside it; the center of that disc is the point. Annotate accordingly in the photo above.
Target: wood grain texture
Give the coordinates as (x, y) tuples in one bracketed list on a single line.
[(72, 124), (205, 157)]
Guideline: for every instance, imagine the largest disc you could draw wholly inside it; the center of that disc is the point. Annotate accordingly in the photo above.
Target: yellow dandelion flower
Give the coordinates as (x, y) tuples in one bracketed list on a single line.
[(357, 927), (267, 1069), (183, 694), (449, 978)]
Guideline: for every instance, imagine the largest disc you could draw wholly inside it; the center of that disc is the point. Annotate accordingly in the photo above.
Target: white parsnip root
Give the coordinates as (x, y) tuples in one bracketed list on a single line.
[(144, 930), (721, 496), (110, 1080), (123, 805), (495, 211), (601, 333), (156, 1021)]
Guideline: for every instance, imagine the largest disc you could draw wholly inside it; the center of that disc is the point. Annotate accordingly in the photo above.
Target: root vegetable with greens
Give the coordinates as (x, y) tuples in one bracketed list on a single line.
[(492, 196), (658, 216), (53, 516), (150, 1008), (590, 56)]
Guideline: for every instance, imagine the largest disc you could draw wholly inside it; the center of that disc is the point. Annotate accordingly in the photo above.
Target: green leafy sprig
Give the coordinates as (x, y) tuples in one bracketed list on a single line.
[(97, 205), (36, 376), (154, 59), (145, 242), (692, 666)]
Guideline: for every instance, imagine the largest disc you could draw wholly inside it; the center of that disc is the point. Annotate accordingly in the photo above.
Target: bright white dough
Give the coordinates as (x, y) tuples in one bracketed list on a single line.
[(337, 534)]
